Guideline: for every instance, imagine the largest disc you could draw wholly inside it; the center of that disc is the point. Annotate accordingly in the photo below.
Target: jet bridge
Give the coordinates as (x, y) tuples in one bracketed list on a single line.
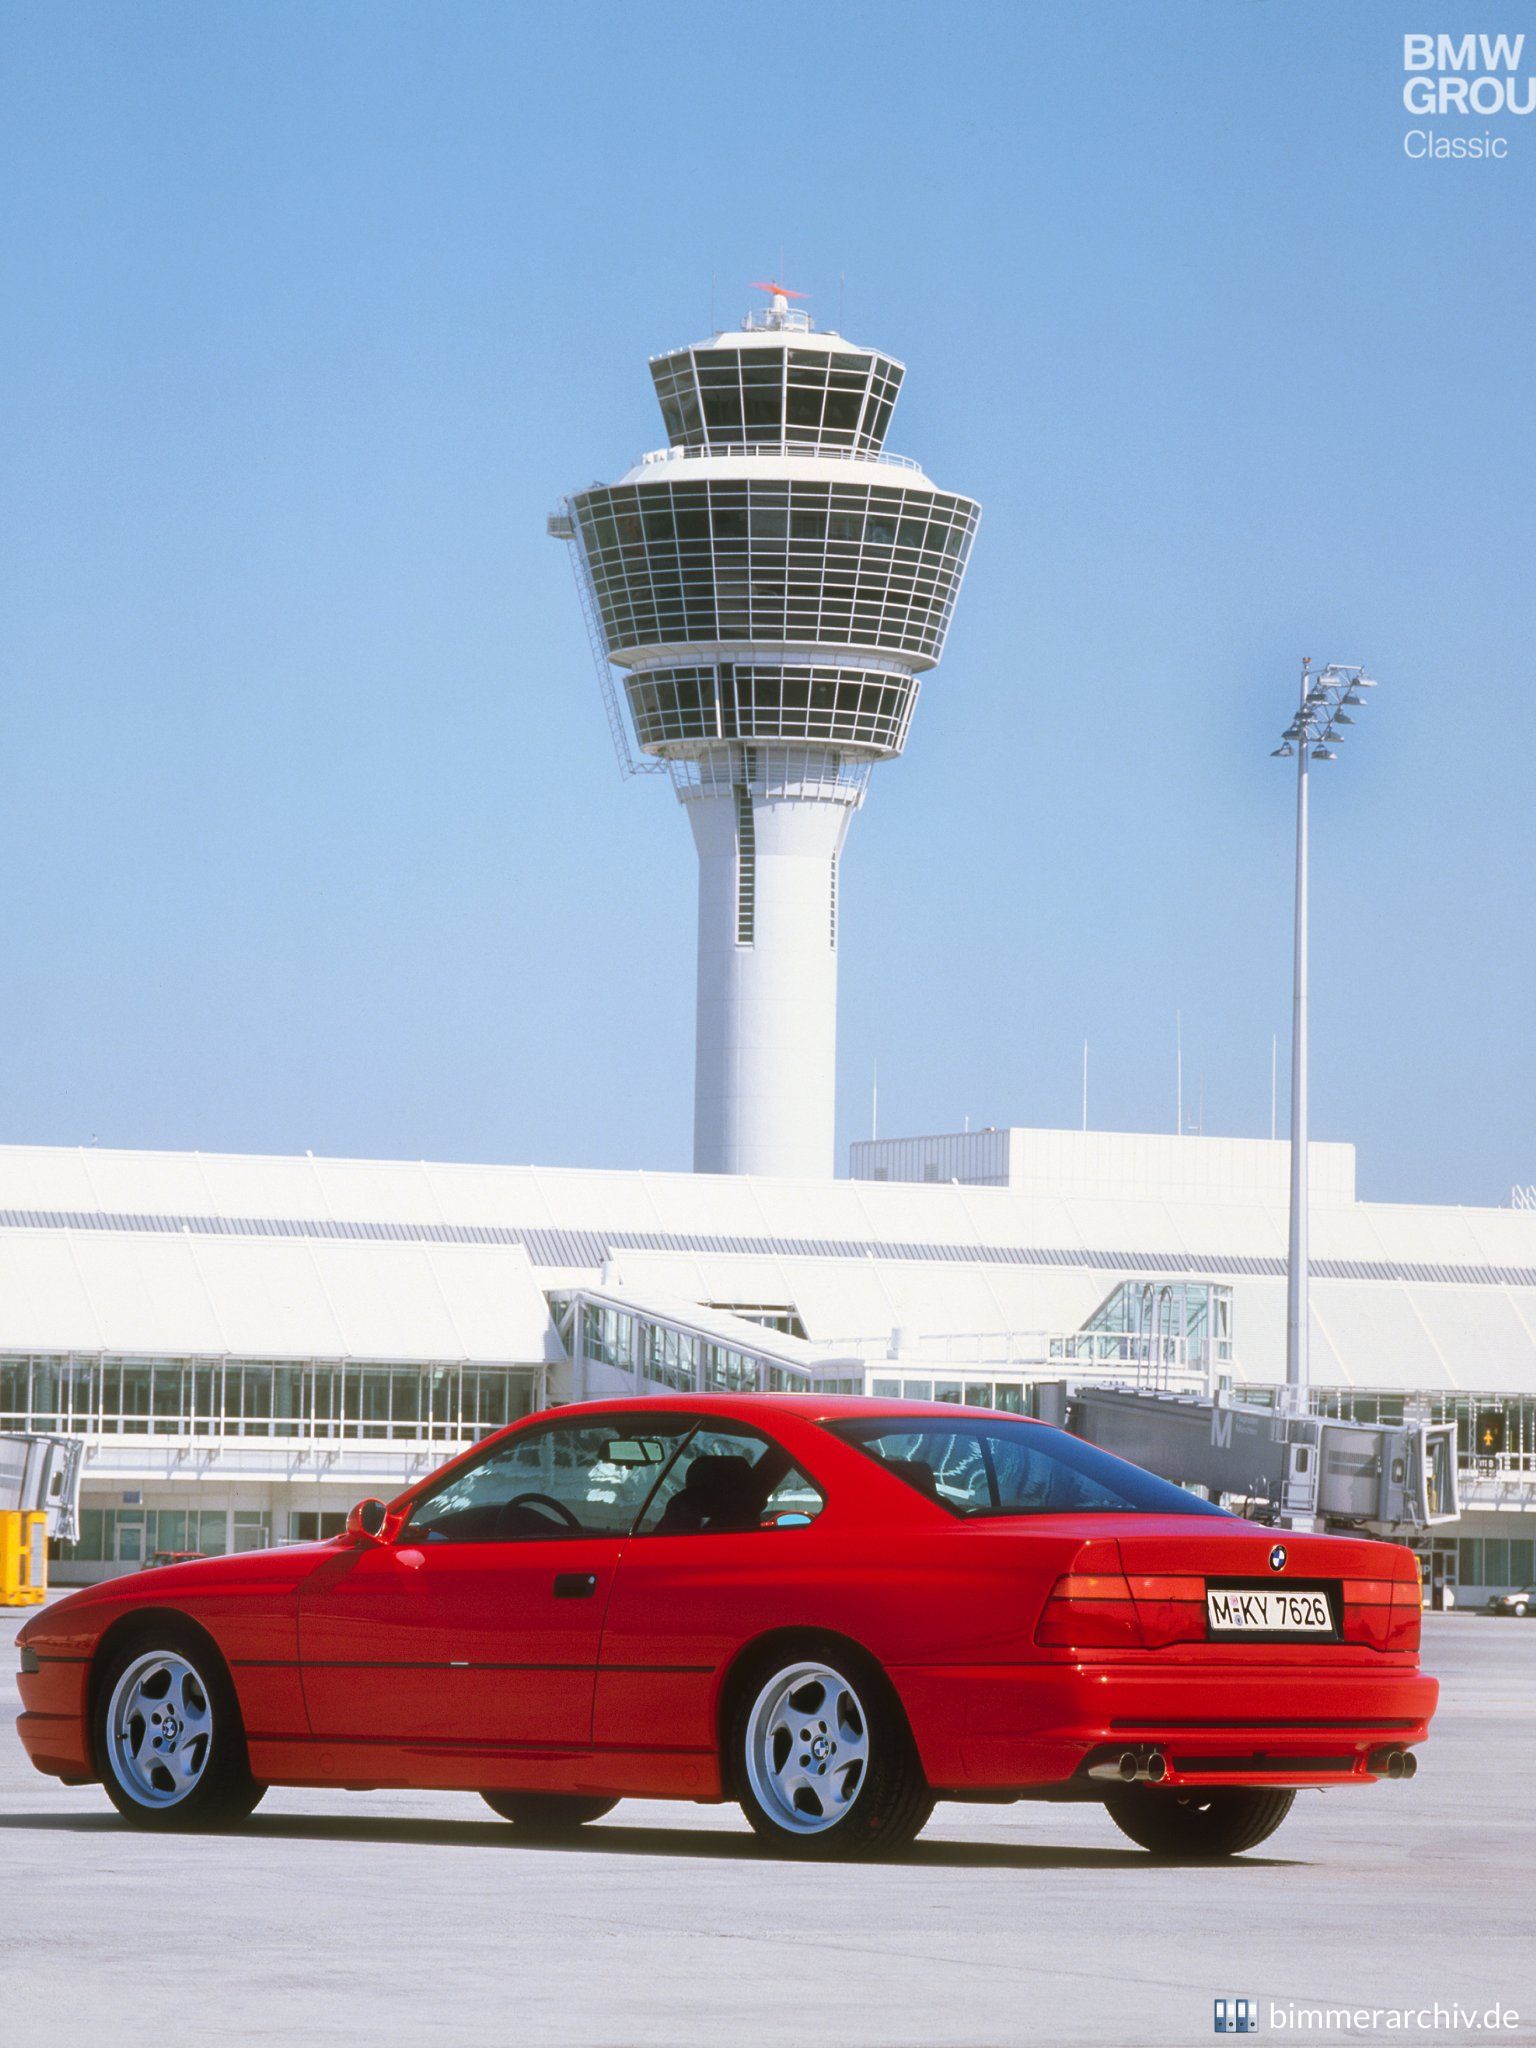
[(41, 1475), (39, 1498), (1386, 1478)]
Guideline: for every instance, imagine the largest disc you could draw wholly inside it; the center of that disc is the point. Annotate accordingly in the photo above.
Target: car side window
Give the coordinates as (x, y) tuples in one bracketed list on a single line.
[(568, 1479), (728, 1480)]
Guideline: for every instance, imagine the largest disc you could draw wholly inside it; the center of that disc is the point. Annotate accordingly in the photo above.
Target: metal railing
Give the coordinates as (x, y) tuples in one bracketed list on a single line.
[(563, 525), (777, 319), (1505, 1482), (734, 451), (1169, 1363)]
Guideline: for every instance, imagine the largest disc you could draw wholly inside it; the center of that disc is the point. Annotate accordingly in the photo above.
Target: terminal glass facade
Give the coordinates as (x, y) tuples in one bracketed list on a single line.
[(1181, 1320), (130, 1535), (262, 1398), (1495, 1561), (1517, 1410), (666, 1356)]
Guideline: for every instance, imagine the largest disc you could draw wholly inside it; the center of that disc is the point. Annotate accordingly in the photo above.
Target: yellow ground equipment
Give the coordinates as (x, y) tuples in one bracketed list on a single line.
[(23, 1557)]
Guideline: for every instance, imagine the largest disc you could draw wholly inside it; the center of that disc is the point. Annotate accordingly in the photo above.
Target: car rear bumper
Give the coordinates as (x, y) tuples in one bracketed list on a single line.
[(1005, 1727)]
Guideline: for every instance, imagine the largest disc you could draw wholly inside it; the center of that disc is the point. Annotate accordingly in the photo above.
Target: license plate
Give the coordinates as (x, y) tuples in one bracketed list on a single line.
[(1266, 1611)]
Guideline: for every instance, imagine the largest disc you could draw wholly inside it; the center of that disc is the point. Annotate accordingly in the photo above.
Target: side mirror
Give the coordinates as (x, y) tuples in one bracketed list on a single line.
[(366, 1521)]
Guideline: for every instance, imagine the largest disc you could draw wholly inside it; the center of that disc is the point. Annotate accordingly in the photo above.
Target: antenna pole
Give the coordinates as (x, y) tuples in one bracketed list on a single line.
[(1178, 1073), (1085, 1084)]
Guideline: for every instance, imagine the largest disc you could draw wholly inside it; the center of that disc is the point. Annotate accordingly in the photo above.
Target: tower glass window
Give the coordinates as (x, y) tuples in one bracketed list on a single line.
[(742, 395)]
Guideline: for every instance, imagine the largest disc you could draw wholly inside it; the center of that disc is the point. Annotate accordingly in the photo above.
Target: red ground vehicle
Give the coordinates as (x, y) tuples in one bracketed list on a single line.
[(836, 1611)]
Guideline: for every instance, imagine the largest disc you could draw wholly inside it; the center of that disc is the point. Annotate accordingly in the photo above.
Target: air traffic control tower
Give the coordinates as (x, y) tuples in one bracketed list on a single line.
[(771, 585)]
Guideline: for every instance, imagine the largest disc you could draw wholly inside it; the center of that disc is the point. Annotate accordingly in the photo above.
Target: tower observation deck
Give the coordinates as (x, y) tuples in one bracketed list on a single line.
[(772, 585)]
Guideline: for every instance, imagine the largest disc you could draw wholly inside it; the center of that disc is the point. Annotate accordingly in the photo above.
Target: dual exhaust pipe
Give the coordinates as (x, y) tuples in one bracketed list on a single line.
[(1133, 1767), (1394, 1763), (1149, 1766)]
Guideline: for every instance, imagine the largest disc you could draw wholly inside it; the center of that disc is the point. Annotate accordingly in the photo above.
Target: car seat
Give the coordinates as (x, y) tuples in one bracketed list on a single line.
[(717, 1493), (918, 1474)]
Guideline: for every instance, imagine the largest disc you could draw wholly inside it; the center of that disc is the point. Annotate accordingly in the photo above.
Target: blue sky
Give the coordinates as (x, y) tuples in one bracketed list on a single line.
[(312, 834)]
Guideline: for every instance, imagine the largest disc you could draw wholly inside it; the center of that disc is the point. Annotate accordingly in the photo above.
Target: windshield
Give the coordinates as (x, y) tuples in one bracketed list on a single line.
[(981, 1467)]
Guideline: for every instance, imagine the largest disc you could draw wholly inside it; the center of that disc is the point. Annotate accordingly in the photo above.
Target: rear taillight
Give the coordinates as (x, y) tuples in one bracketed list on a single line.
[(1172, 1609), (1141, 1611), (1090, 1610), (1382, 1613)]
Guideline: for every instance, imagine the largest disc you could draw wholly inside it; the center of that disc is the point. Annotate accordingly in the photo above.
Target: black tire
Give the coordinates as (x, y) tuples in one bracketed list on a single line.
[(882, 1802), (1223, 1820), (548, 1814), (154, 1793)]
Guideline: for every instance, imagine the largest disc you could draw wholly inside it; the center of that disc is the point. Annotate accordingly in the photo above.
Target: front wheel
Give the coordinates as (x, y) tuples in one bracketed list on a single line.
[(1223, 1821), (169, 1742), (824, 1763), (547, 1814)]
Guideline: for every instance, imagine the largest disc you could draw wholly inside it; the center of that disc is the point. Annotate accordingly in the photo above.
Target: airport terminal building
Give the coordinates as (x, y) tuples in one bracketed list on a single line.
[(248, 1345)]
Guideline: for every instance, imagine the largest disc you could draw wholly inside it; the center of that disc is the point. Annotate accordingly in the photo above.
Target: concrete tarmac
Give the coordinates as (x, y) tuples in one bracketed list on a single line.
[(422, 1920)]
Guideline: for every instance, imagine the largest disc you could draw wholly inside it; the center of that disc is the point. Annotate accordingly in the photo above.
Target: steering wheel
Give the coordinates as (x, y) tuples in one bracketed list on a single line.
[(544, 1500)]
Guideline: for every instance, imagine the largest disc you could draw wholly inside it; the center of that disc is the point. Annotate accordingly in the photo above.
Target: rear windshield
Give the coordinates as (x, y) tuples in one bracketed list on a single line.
[(979, 1467)]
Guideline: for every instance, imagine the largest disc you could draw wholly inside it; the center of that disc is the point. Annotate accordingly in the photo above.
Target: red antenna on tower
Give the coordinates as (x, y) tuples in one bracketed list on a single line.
[(782, 290)]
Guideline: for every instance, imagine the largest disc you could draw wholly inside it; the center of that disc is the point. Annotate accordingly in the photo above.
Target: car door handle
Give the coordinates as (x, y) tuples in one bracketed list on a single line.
[(575, 1585)]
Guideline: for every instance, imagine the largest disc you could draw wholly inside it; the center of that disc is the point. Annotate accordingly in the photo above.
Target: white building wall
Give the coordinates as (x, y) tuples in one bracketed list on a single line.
[(1110, 1165), (1443, 1316)]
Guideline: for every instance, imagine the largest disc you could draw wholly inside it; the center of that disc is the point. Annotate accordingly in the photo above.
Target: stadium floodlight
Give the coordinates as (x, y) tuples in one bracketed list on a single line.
[(1323, 694)]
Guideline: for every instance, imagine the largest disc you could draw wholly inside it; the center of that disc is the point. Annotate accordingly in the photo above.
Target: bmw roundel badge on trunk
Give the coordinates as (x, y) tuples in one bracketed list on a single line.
[(1277, 1558)]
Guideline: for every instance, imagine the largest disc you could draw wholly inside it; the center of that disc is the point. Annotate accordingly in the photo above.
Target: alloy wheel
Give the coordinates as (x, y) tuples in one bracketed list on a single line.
[(159, 1729), (807, 1747)]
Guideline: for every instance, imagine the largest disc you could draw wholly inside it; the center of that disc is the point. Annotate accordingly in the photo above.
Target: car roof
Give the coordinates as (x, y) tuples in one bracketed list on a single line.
[(809, 1407)]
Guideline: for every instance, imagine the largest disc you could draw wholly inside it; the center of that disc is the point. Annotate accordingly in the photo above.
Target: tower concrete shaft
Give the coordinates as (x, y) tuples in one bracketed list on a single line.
[(767, 1004), (772, 585)]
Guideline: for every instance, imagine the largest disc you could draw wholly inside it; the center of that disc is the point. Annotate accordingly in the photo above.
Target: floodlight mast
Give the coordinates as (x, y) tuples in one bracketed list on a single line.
[(770, 586), (1312, 735)]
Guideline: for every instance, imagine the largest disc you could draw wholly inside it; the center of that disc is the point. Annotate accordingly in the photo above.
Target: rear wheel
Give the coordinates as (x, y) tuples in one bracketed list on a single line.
[(168, 1738), (550, 1814), (823, 1759), (1221, 1821)]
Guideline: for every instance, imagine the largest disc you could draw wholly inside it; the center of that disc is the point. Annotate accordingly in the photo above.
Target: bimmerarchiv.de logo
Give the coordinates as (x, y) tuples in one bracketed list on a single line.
[(1461, 79)]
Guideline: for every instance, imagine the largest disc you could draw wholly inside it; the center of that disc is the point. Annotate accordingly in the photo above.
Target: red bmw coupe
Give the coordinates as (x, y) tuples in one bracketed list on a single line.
[(834, 1611)]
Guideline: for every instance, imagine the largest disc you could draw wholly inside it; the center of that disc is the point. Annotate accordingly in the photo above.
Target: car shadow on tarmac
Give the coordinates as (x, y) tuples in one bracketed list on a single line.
[(609, 1840)]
